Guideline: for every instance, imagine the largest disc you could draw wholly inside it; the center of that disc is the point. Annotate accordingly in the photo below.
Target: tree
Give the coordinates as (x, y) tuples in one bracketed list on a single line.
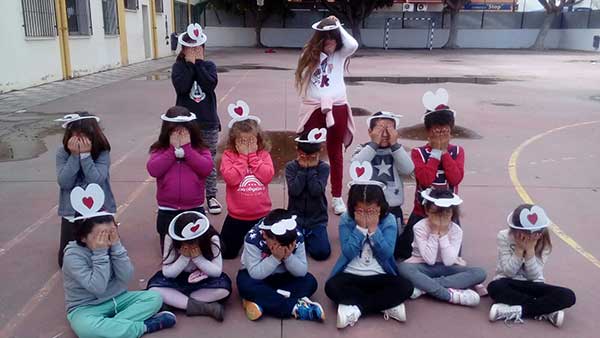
[(354, 12), (453, 7), (261, 13), (553, 9)]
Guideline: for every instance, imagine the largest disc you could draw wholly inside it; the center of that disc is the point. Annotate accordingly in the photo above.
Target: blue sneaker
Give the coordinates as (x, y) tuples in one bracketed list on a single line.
[(161, 320), (309, 310)]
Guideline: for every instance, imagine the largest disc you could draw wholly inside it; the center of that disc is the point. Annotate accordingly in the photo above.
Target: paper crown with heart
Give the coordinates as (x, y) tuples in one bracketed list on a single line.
[(194, 32), (437, 102), (281, 227), (531, 219), (179, 119), (335, 26), (362, 173), (441, 202), (191, 230), (88, 202), (316, 135), (384, 115), (240, 111), (75, 117)]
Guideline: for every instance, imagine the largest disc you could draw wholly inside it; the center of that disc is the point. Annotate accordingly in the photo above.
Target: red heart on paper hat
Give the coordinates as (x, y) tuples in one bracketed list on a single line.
[(195, 228), (88, 202), (532, 218), (239, 110), (318, 136), (196, 32), (360, 171)]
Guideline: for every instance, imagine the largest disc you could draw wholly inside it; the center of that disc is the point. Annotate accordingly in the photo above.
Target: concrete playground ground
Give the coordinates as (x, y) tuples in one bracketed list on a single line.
[(529, 123)]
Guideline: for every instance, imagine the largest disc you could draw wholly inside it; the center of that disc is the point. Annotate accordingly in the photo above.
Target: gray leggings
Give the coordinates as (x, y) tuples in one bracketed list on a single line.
[(210, 137), (436, 279)]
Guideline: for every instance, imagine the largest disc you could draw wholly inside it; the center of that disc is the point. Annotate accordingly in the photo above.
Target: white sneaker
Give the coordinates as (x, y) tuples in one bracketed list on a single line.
[(557, 318), (214, 207), (464, 297), (347, 315), (337, 203), (398, 313), (508, 313), (417, 293)]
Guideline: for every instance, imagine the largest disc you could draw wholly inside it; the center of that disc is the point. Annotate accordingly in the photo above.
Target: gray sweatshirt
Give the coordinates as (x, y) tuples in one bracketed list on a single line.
[(511, 266), (93, 277), (388, 164), (260, 263), (73, 171)]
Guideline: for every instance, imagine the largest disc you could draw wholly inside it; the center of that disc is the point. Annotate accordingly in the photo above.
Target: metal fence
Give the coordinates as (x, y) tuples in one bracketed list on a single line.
[(465, 19), (39, 18)]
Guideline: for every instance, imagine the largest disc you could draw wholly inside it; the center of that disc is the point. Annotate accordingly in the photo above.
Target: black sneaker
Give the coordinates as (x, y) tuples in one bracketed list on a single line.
[(214, 207), (161, 320)]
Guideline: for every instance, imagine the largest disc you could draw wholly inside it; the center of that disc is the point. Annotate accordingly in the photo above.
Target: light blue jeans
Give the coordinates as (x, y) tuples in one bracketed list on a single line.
[(436, 279)]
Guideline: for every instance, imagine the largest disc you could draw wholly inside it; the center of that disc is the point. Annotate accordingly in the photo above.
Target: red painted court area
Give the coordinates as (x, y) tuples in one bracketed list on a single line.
[(537, 115)]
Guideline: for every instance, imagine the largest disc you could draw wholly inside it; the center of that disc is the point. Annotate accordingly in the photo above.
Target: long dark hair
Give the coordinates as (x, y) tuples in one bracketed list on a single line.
[(204, 242), (84, 227), (311, 54), (544, 243), (167, 128), (368, 194), (90, 128)]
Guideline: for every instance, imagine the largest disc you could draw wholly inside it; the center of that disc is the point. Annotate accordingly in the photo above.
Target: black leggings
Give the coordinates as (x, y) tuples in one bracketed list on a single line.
[(66, 235), (371, 294), (535, 298), (232, 235)]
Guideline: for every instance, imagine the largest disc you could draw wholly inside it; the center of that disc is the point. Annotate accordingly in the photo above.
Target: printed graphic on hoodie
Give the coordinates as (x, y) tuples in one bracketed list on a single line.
[(320, 77), (196, 93), (251, 186)]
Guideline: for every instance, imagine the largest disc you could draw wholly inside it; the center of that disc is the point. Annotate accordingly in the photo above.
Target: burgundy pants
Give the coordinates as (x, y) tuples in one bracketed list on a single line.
[(335, 143)]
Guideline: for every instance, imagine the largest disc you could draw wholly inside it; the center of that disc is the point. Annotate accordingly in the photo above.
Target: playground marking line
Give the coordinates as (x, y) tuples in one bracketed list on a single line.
[(512, 171)]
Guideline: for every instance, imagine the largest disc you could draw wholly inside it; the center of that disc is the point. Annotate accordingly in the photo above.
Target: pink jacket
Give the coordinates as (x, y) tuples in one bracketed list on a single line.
[(180, 183), (431, 248), (247, 178)]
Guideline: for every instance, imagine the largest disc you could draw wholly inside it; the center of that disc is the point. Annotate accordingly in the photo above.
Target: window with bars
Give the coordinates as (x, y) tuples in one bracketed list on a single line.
[(79, 17), (181, 16), (109, 14), (132, 4), (39, 18), (158, 5)]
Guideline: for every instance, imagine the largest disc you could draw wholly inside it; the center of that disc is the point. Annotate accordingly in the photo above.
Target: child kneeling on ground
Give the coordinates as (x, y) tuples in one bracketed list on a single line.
[(274, 279), (518, 289), (96, 270), (435, 267), (365, 278), (307, 180)]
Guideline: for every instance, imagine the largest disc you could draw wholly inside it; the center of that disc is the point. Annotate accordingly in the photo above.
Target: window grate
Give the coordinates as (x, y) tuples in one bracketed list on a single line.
[(39, 18)]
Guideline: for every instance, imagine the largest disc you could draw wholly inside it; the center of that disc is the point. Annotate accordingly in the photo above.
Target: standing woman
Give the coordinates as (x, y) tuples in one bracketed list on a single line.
[(195, 80), (320, 82)]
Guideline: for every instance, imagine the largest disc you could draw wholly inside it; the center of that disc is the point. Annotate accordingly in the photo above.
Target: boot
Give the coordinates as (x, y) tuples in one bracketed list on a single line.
[(198, 308)]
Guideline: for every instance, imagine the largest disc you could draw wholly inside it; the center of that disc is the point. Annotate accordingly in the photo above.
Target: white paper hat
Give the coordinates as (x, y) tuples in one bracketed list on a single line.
[(280, 227), (315, 26), (533, 219), (361, 174), (437, 101), (88, 202), (194, 31), (75, 117), (384, 115), (441, 202), (191, 230), (316, 135), (178, 119), (240, 111)]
